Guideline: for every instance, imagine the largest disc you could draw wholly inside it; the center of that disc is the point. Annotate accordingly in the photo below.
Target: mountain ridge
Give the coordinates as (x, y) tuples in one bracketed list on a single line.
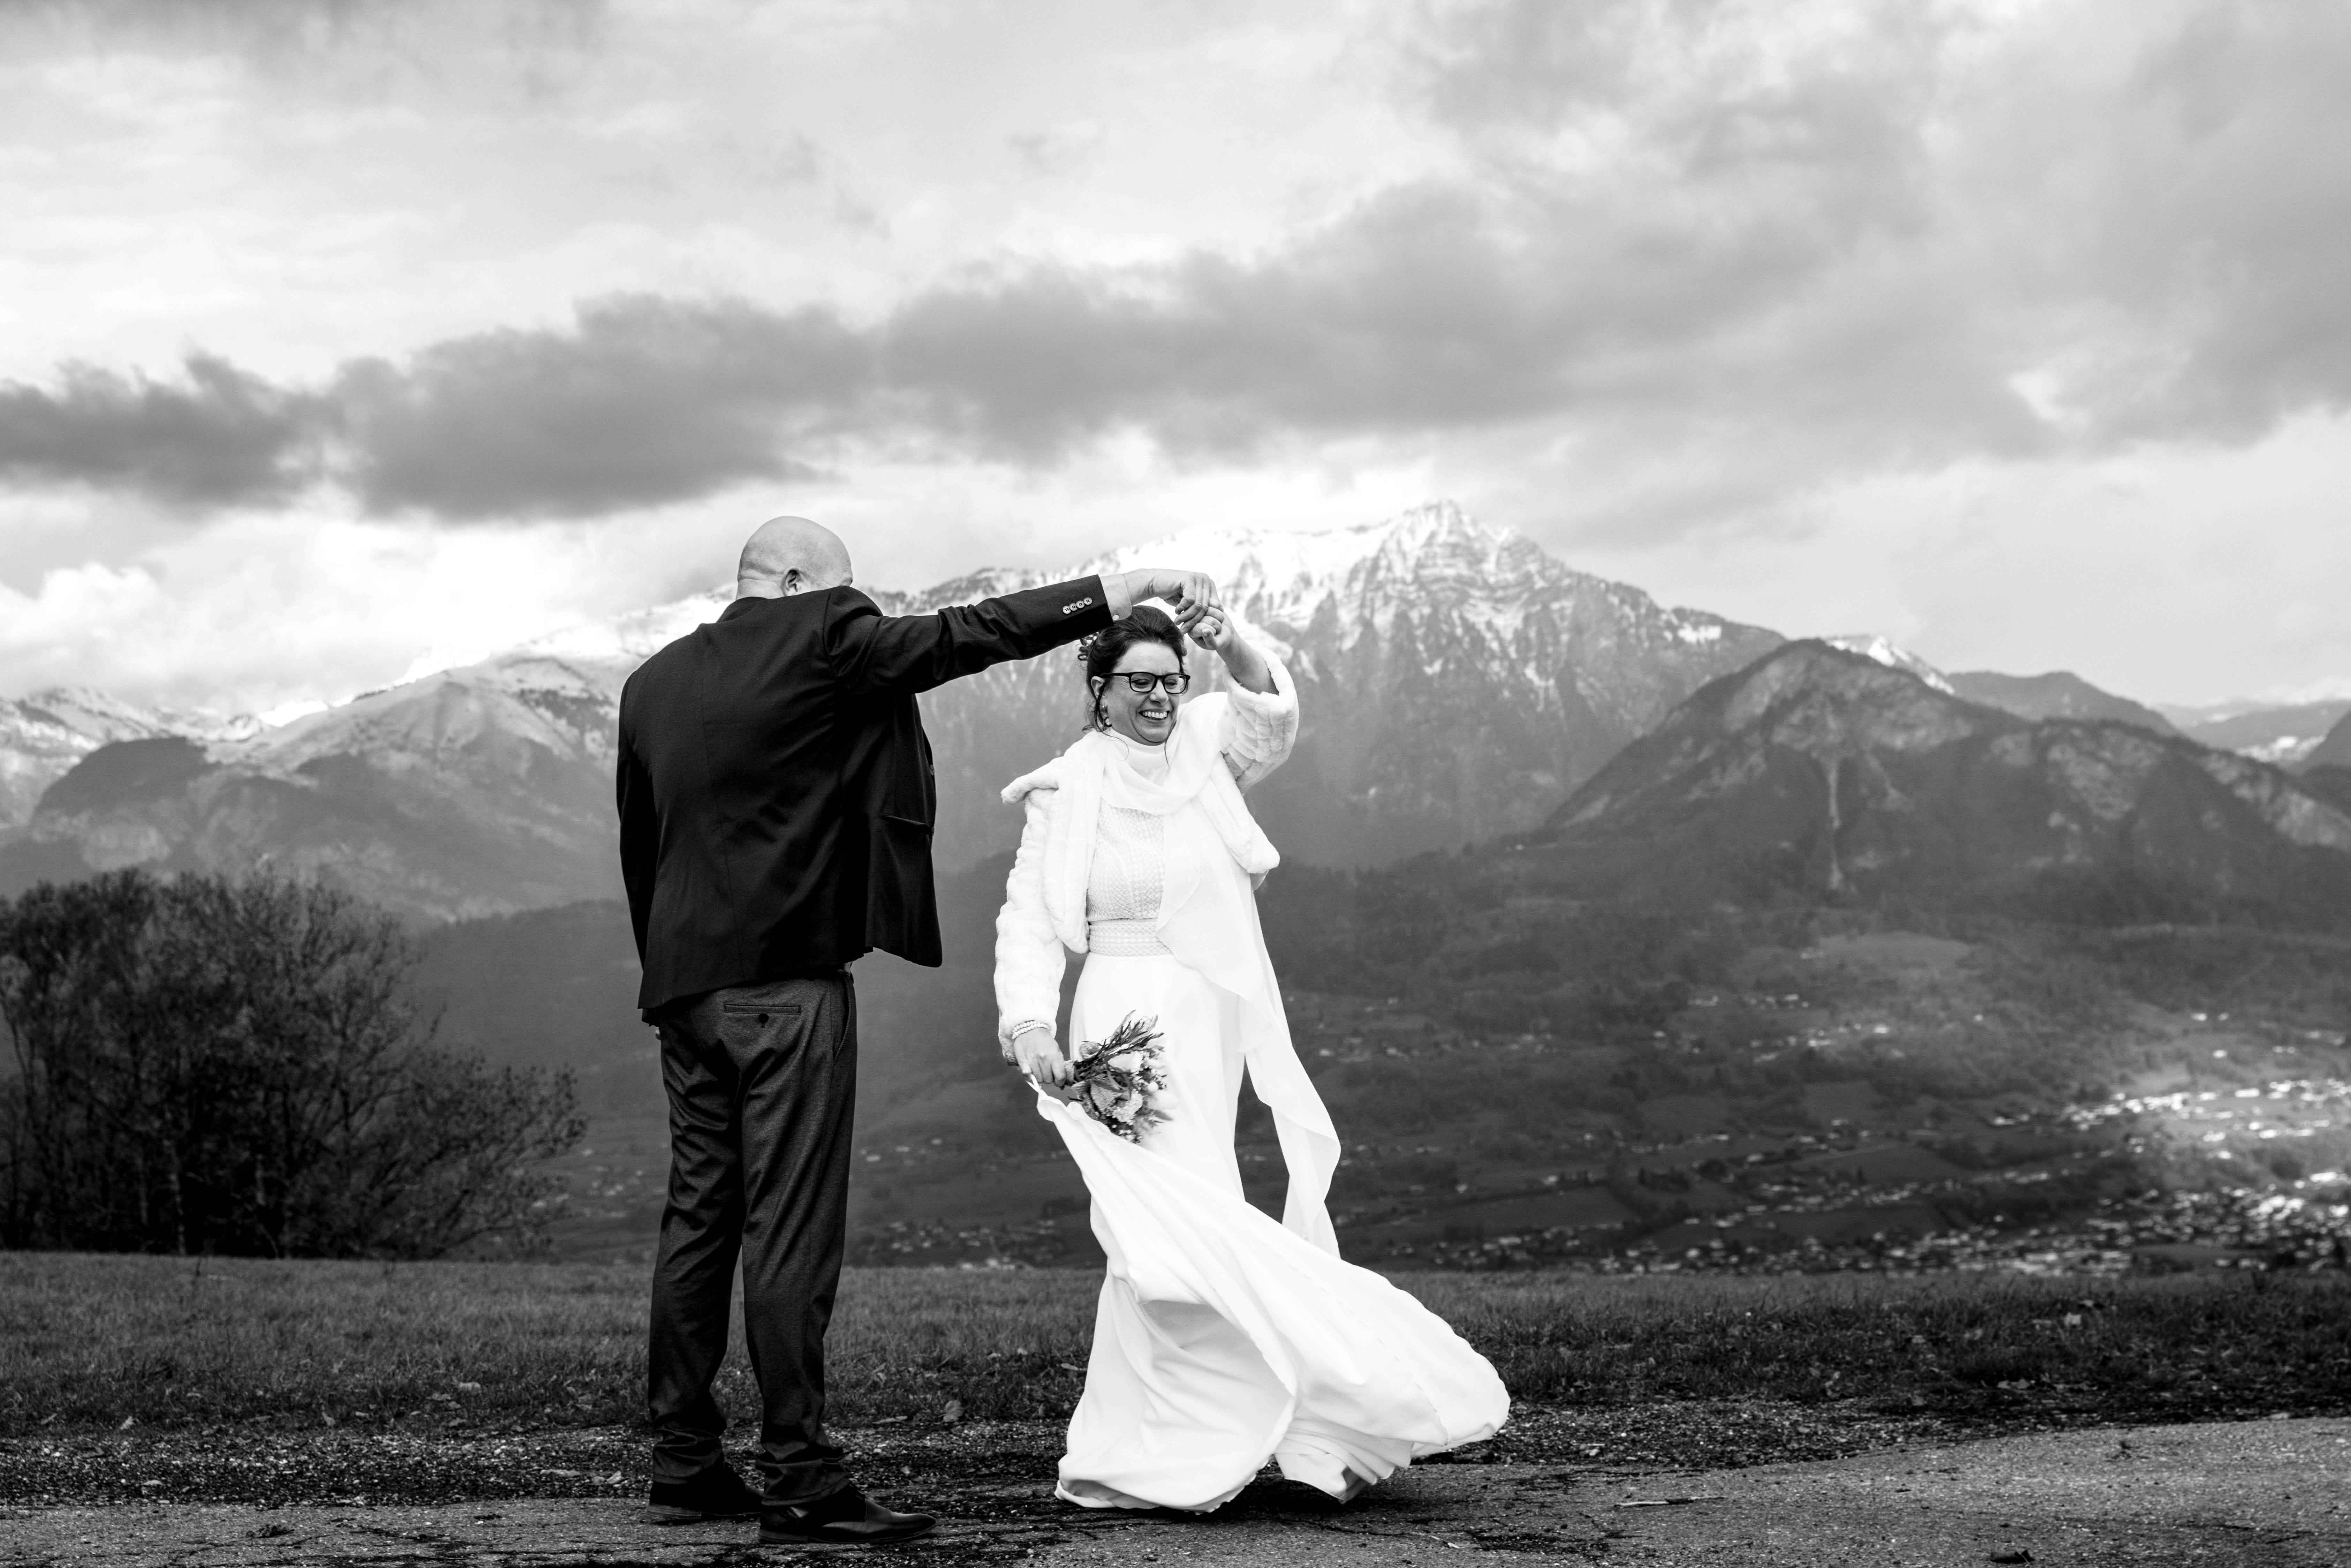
[(2286, 734), (1458, 682), (43, 734), (1825, 774), (2055, 694)]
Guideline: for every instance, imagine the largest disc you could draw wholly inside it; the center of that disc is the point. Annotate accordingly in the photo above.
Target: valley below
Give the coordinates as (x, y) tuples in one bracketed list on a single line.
[(1841, 1094)]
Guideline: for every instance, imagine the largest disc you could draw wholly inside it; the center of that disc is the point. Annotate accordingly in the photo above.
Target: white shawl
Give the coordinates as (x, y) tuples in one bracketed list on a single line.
[(1209, 924)]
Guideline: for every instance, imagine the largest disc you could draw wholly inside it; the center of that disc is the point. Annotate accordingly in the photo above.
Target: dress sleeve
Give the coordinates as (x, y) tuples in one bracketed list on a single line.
[(1029, 956), (1258, 727)]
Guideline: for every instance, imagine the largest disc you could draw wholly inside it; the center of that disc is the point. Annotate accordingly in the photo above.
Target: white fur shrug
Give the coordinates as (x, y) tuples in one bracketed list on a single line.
[(1044, 914)]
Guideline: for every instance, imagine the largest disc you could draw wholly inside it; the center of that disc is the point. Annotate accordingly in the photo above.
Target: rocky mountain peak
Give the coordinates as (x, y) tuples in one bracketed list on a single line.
[(1823, 698), (1456, 680), (1819, 771)]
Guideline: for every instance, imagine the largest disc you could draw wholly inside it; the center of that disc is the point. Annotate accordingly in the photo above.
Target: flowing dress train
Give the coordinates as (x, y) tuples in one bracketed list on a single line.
[(1223, 1338)]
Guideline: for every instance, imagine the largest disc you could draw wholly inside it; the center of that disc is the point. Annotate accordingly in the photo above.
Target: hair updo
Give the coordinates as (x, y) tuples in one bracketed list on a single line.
[(1101, 653)]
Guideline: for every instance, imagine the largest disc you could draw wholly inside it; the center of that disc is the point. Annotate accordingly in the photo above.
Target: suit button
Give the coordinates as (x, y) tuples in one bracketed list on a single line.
[(763, 1020)]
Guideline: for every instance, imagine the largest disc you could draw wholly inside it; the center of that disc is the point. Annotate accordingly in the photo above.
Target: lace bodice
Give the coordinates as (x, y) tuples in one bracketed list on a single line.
[(1129, 873), (1130, 869)]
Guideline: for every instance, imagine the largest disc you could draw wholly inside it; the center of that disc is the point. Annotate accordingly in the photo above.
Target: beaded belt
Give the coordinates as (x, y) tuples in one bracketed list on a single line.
[(1124, 939)]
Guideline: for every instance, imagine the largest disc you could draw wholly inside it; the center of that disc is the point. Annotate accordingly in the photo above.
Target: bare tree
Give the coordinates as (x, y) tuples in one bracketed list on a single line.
[(209, 1064)]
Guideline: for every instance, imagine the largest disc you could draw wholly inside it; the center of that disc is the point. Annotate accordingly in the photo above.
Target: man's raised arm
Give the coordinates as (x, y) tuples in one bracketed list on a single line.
[(906, 653)]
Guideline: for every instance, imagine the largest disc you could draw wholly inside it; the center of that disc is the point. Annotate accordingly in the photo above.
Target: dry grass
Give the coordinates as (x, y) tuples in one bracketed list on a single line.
[(86, 1341), (2179, 1345)]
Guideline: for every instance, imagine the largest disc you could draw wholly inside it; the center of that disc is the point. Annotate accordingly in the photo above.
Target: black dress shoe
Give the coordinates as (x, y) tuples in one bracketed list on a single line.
[(716, 1493), (847, 1518)]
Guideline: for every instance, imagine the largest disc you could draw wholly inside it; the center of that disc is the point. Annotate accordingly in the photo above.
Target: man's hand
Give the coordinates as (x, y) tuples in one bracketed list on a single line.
[(1038, 1055), (1192, 593)]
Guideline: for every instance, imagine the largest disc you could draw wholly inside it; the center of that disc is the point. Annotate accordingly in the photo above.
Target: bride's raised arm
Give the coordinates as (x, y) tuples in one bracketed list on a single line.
[(1260, 719)]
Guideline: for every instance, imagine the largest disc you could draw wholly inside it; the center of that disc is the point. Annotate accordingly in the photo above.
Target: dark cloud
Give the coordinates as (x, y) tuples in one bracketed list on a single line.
[(2140, 207), (2220, 223), (227, 435), (645, 400), (1414, 314), (1836, 259)]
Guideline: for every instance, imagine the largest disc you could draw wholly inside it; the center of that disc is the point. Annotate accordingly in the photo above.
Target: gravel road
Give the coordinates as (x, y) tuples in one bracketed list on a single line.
[(2264, 1492)]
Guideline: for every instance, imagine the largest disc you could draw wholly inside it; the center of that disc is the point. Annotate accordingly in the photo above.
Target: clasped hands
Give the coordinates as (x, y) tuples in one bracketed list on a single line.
[(1199, 610)]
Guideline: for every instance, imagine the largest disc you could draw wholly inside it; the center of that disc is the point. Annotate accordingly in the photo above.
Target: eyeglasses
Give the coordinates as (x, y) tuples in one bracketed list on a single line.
[(1140, 681)]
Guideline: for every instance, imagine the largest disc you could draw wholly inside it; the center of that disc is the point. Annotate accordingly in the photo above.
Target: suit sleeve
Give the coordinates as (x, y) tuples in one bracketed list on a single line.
[(639, 837), (874, 654)]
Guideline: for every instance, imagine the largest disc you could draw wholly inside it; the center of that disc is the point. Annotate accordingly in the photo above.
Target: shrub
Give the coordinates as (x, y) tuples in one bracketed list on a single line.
[(212, 1065)]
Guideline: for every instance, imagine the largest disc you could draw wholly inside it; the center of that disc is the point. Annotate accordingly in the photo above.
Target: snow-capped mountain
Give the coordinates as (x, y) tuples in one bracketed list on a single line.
[(471, 791), (44, 735), (1457, 681), (1891, 654)]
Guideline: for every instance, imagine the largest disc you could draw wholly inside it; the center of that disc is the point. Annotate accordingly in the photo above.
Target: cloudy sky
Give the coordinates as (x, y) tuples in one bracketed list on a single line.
[(339, 339)]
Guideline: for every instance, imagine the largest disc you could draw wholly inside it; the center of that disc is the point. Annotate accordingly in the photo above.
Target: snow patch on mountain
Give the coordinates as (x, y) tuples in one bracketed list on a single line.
[(44, 735), (1893, 655), (1360, 578), (2285, 736)]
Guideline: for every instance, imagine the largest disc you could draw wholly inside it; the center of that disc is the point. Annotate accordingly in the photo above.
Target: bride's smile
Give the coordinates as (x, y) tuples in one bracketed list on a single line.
[(1139, 698)]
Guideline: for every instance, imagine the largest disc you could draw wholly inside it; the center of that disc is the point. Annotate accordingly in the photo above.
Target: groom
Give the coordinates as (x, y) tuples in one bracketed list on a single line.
[(776, 807)]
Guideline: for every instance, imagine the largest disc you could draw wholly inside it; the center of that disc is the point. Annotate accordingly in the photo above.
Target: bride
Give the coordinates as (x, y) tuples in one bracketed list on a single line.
[(1222, 1338)]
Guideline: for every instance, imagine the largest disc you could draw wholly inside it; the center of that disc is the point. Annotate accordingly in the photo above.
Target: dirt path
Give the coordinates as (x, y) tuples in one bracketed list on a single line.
[(2252, 1492)]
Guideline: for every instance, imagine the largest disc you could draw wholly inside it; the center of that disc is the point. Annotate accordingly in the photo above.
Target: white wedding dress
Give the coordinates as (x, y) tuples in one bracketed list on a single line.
[(1223, 1339)]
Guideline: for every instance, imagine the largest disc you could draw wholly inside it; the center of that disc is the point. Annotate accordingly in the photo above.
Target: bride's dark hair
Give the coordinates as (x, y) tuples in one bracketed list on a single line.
[(1101, 652)]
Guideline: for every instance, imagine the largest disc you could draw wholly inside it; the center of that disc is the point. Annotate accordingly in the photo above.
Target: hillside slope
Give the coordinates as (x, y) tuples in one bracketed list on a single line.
[(2334, 749), (1817, 774)]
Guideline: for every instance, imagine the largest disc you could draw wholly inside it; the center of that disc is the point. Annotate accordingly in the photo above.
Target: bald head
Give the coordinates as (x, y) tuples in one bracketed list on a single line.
[(790, 555)]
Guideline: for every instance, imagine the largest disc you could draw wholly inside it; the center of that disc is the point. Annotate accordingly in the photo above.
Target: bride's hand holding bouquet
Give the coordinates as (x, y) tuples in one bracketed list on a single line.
[(1117, 1080), (1039, 1056)]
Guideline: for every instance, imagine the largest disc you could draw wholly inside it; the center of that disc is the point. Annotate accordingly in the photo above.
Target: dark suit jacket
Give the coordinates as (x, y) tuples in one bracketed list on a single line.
[(775, 783)]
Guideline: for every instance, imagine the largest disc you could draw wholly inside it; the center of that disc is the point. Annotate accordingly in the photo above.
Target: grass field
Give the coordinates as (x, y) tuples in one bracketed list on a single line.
[(88, 1342)]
